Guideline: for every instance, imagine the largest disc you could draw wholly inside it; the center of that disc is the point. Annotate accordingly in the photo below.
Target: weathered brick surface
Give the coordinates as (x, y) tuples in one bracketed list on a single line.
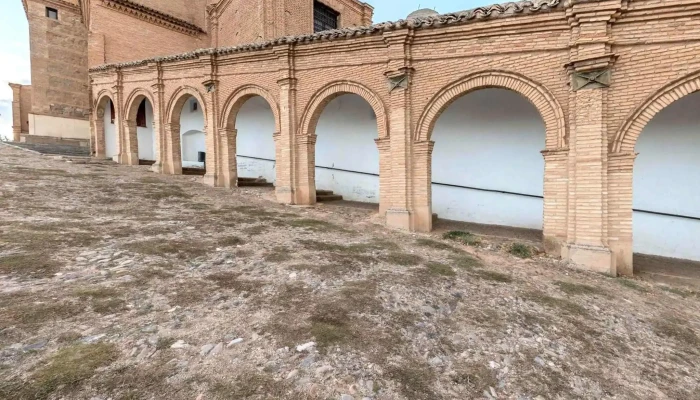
[(58, 52), (410, 75)]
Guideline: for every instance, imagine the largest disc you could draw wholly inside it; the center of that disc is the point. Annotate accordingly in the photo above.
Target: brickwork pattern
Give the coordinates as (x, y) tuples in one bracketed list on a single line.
[(59, 62), (409, 72)]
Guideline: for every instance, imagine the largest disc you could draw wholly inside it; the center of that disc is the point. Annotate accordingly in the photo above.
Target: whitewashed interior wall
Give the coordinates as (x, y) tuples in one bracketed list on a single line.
[(346, 132), (255, 145), (489, 139), (110, 134), (667, 180), (146, 138), (192, 133)]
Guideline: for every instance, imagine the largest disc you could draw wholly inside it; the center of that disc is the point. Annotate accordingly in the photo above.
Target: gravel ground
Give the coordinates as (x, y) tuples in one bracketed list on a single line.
[(117, 283)]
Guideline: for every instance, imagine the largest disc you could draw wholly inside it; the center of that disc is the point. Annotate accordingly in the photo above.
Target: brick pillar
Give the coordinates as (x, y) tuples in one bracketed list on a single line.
[(229, 172), (620, 214), (285, 143), (590, 66), (306, 169), (16, 111), (158, 124), (588, 241), (399, 74), (131, 143), (211, 130), (422, 185), (98, 127), (173, 155), (556, 179), (384, 146), (119, 121)]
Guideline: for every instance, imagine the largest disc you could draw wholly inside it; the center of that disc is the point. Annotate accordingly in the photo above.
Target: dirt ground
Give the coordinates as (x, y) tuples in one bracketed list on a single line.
[(117, 283)]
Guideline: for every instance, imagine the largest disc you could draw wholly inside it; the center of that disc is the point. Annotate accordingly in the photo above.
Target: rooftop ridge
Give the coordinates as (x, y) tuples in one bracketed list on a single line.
[(436, 21)]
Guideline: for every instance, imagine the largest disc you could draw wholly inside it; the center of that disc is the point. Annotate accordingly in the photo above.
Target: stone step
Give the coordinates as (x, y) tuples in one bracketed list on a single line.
[(55, 149), (327, 195), (253, 182), (146, 162), (194, 171)]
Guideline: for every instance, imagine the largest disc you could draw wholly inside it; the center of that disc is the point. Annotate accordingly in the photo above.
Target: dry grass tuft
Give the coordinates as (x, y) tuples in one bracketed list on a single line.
[(179, 248), (556, 303), (64, 372), (579, 288), (415, 379), (30, 265), (463, 237)]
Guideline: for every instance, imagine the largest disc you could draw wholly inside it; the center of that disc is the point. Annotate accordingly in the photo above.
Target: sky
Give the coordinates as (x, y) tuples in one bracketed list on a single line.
[(14, 49)]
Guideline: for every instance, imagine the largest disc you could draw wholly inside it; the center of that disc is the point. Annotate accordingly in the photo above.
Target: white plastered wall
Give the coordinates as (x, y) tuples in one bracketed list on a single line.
[(489, 139), (346, 132), (255, 145), (110, 134), (192, 134), (65, 128), (146, 138), (667, 180)]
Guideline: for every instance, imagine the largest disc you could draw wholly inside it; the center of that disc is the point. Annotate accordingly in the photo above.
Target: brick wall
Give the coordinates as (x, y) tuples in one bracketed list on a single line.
[(58, 51), (242, 22), (122, 37)]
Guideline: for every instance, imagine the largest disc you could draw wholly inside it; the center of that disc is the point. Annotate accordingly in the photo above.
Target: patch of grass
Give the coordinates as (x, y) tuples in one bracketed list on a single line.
[(164, 343), (676, 329), (685, 293), (356, 248), (434, 244), (255, 230), (631, 284), (330, 325), (402, 259), (154, 272), (465, 261), (232, 281), (476, 377), (27, 311), (463, 237), (68, 369), (68, 337), (315, 225), (161, 192), (253, 385), (564, 305), (229, 241), (103, 300), (179, 248), (189, 293), (31, 265), (278, 255), (579, 288), (436, 268), (414, 378), (139, 382), (520, 250), (493, 276)]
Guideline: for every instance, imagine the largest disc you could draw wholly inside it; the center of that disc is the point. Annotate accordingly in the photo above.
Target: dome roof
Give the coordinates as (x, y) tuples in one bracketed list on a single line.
[(422, 13)]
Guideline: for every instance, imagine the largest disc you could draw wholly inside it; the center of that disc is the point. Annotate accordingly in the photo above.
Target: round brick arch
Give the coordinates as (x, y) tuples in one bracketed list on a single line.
[(177, 101), (239, 97), (626, 137), (548, 107), (103, 95), (328, 93), (133, 102)]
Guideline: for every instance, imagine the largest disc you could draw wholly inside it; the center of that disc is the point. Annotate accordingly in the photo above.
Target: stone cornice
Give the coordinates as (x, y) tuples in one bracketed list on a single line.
[(505, 10), (153, 16)]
